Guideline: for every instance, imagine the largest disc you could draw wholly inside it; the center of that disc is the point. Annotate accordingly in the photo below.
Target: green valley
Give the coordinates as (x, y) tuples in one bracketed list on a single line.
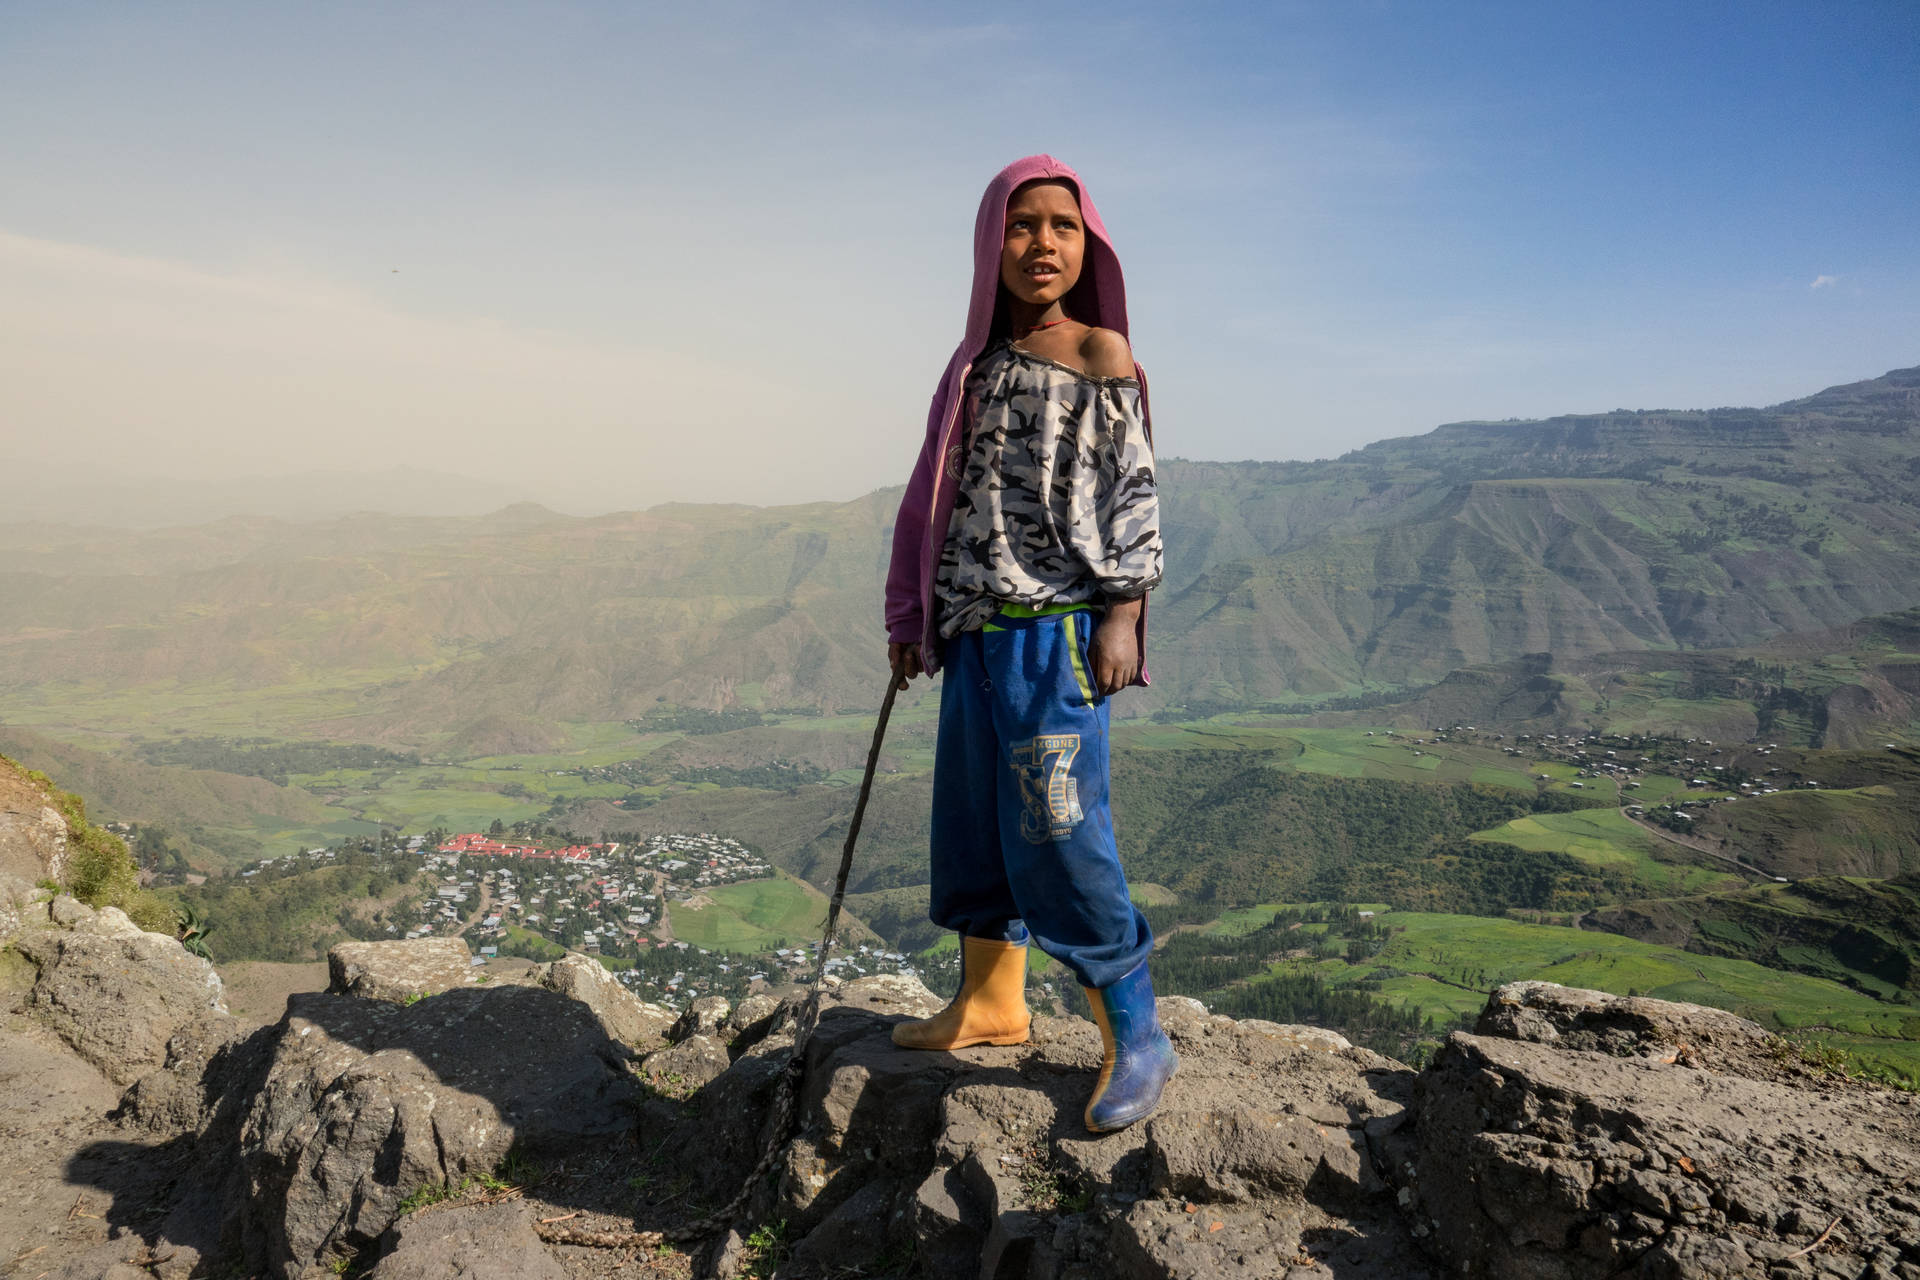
[(1629, 700)]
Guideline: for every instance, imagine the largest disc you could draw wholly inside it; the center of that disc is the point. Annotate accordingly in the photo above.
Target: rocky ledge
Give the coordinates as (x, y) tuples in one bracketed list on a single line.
[(507, 1129)]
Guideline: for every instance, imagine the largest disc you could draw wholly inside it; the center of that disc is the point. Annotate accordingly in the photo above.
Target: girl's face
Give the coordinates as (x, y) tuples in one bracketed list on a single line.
[(1045, 243)]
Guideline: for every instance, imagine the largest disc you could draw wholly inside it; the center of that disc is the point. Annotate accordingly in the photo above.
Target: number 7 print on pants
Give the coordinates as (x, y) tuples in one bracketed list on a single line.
[(1044, 767)]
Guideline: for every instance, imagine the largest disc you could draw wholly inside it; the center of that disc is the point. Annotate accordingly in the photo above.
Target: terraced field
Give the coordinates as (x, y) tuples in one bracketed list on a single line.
[(1604, 837)]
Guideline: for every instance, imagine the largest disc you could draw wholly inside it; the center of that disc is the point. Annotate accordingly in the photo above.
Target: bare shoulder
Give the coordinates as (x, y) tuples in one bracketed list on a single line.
[(1105, 354)]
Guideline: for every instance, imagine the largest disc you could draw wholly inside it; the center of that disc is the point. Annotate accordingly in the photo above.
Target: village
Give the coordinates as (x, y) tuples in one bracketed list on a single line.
[(612, 900), (1717, 774)]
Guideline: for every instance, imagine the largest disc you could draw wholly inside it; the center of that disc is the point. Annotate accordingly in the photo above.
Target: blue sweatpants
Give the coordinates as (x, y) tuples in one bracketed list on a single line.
[(1022, 833)]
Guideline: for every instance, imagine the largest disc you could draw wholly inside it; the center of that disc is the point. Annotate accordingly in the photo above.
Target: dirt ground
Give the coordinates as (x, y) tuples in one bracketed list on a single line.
[(257, 990)]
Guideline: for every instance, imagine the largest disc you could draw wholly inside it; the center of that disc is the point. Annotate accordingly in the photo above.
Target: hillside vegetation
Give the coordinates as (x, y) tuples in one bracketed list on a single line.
[(99, 868), (1859, 932)]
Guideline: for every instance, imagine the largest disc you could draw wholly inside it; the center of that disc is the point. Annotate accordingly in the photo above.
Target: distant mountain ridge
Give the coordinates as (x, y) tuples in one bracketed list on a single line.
[(1389, 567)]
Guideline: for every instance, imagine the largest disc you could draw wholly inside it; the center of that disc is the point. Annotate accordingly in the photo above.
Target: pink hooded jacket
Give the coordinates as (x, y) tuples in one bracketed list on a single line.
[(920, 530)]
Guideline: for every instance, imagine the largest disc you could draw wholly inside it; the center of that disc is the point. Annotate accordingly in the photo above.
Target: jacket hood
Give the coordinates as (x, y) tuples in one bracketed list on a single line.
[(919, 530), (1100, 297)]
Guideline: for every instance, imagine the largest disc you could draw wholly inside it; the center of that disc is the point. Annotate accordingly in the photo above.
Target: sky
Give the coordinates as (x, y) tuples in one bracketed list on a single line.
[(605, 255)]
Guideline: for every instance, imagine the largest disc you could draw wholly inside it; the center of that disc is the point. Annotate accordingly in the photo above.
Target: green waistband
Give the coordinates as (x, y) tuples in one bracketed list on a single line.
[(1044, 611), (1026, 612)]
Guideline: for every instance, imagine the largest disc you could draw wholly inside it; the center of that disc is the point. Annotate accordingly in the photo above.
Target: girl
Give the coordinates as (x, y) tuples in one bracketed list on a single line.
[(1022, 555)]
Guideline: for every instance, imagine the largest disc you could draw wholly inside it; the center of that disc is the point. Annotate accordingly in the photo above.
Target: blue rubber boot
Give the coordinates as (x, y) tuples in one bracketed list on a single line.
[(1139, 1058)]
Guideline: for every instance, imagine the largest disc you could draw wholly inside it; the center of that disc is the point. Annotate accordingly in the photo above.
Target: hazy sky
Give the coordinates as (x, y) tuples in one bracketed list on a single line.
[(612, 254)]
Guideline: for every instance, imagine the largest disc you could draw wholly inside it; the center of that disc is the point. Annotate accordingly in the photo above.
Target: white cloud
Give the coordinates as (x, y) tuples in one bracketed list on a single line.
[(1824, 282)]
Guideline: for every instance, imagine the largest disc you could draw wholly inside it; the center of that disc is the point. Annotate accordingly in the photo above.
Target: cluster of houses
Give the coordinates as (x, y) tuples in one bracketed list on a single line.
[(1713, 774), (611, 900), (680, 972), (475, 845)]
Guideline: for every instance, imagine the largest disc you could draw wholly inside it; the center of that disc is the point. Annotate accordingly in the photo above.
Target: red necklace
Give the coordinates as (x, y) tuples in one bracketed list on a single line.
[(1032, 329)]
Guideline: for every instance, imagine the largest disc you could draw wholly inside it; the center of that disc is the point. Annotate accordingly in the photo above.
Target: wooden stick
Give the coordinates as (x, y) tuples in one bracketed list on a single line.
[(1817, 1243)]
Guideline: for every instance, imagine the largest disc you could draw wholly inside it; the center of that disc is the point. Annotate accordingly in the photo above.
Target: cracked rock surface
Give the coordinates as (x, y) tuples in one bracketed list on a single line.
[(1572, 1135)]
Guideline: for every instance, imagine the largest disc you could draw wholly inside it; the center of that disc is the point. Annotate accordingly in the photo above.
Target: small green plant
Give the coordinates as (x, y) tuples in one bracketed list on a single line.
[(1039, 1184), (439, 1192), (192, 931), (431, 1193), (766, 1249), (516, 1170), (414, 998), (1046, 1189), (670, 1085)]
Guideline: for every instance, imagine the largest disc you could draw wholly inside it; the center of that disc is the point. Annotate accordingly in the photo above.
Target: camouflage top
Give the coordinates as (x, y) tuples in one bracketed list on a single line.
[(1056, 502)]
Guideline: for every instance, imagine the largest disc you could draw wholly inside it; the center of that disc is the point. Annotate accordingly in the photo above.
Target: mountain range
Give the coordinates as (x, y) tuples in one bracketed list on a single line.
[(1553, 544)]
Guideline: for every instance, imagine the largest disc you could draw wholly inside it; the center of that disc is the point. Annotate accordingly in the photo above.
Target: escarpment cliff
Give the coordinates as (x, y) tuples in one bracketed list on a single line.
[(416, 1122)]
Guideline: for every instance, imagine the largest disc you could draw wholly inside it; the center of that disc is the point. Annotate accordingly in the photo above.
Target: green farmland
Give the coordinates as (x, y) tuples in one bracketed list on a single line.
[(752, 916), (1445, 966), (1606, 838)]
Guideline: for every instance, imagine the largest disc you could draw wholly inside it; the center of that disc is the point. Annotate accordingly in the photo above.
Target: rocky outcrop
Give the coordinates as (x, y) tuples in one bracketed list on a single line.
[(979, 1163), (484, 1240), (33, 842), (17, 897), (1583, 1135), (363, 1103), (33, 833), (111, 990), (399, 971), (625, 1017), (1572, 1135)]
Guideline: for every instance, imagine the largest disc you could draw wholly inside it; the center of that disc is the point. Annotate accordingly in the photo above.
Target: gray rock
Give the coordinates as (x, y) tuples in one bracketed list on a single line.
[(399, 971), (365, 1102), (869, 1110), (1575, 1018), (1247, 1154), (33, 842), (180, 1096), (483, 1242), (1530, 1158), (1596, 1137), (626, 1017), (850, 1239), (1161, 1238), (17, 901), (753, 1010), (706, 1016), (679, 1070), (888, 993), (948, 1228), (762, 1024), (112, 991), (984, 1154)]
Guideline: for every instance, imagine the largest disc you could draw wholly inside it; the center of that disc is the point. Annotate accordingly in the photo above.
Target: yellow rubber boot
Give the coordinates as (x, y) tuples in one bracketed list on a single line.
[(990, 1007)]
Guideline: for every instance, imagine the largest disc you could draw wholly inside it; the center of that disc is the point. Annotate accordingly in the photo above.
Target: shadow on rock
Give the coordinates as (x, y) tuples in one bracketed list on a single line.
[(300, 1143), (1575, 1136)]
